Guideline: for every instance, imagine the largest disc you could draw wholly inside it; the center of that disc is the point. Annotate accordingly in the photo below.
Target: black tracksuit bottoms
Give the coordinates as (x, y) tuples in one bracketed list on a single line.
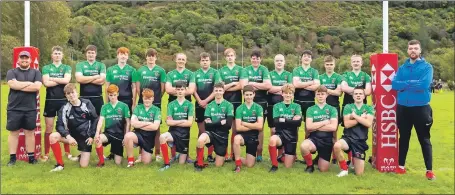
[(421, 117)]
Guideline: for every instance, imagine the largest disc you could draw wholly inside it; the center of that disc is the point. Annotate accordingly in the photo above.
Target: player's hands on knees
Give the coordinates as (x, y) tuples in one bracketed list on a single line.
[(89, 141), (207, 120), (282, 120), (296, 117), (223, 122), (72, 141)]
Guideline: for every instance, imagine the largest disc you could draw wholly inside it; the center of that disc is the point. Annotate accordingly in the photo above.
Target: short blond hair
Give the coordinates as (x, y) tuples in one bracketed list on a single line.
[(288, 88), (69, 88)]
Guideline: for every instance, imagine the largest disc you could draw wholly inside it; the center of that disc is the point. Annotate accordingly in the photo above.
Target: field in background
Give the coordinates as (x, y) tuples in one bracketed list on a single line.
[(24, 178)]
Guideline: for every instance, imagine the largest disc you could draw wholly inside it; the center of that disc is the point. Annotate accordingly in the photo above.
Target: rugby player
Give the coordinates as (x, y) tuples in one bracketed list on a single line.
[(259, 78), (358, 117), (249, 119), (287, 117), (116, 116), (180, 114), (146, 120), (55, 76), (321, 122), (218, 119), (76, 125)]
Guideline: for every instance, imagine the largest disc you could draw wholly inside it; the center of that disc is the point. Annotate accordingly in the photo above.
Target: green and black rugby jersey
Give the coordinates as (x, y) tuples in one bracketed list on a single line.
[(56, 92), (87, 69), (123, 78)]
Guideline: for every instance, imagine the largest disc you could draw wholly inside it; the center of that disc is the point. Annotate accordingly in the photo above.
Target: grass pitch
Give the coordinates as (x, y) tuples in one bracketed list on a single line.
[(24, 178)]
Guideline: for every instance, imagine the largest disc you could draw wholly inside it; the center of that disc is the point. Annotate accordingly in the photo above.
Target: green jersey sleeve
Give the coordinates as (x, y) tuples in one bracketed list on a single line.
[(298, 110), (192, 78), (315, 74), (162, 75), (136, 111), (126, 111), (190, 110), (102, 68), (243, 73), (134, 78), (347, 109), (309, 112), (265, 74), (170, 111), (276, 109), (289, 75), (109, 75), (157, 115), (260, 111), (238, 113), (370, 110), (103, 111), (45, 70), (367, 78), (79, 67), (217, 77), (68, 69), (230, 110), (333, 112)]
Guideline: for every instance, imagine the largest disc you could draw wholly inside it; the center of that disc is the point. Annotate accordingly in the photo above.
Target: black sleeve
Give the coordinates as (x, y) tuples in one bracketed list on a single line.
[(293, 123), (38, 76), (60, 126), (229, 120), (93, 119), (10, 75)]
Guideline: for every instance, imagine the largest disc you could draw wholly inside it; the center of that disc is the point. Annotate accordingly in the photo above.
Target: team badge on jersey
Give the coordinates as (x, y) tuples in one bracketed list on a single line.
[(157, 74), (362, 78), (237, 73), (211, 76), (119, 111), (327, 111), (333, 80), (185, 76), (260, 73), (151, 116), (292, 111), (222, 109), (254, 112), (185, 109), (61, 69)]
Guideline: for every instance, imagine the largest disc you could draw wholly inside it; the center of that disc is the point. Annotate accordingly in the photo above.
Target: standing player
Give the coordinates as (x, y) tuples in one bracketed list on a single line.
[(249, 121), (180, 74), (413, 82), (358, 117), (287, 117), (259, 78), (352, 79), (24, 83), (146, 120), (121, 74), (321, 122), (91, 75), (278, 78), (206, 77), (233, 77), (306, 81), (55, 77), (218, 119), (180, 113), (332, 81), (153, 77), (76, 125), (117, 116)]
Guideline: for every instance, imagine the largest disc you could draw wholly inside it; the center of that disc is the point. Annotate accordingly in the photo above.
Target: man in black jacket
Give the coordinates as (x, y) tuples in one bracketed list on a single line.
[(76, 125)]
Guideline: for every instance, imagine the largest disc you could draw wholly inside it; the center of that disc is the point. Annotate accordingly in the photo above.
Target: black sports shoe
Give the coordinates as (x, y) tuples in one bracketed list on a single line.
[(334, 161), (110, 157), (273, 169), (198, 168), (309, 169), (278, 158), (210, 159), (11, 162), (33, 161)]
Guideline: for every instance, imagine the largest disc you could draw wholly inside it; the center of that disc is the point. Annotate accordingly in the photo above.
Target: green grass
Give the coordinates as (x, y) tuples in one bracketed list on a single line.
[(24, 178)]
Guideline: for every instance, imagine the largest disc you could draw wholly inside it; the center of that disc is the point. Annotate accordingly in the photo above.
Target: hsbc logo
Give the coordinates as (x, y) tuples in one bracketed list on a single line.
[(387, 74)]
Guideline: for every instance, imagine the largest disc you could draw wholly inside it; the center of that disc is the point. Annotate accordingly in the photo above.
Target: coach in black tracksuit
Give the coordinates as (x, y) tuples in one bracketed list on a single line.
[(413, 84)]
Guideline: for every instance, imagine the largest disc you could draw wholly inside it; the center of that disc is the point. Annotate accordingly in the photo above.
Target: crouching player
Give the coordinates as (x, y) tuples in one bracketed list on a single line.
[(76, 125), (287, 117), (218, 120), (321, 122), (249, 121), (117, 116), (146, 120), (180, 114), (358, 117)]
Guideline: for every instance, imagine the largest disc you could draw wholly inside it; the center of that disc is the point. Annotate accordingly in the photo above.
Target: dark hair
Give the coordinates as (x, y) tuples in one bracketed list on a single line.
[(308, 52), (248, 88), (90, 48), (414, 42), (329, 59), (256, 53), (151, 52), (321, 88), (204, 55), (180, 84), (360, 87)]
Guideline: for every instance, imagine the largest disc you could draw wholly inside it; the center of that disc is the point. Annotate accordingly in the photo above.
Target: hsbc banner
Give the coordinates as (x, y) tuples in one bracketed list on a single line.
[(385, 129), (21, 153)]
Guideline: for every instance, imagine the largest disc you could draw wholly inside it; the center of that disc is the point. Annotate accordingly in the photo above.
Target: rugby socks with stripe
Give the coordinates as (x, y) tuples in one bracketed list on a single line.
[(273, 155), (210, 150), (57, 152), (131, 160), (308, 159), (67, 148), (343, 165), (99, 152), (165, 153), (238, 162), (200, 156)]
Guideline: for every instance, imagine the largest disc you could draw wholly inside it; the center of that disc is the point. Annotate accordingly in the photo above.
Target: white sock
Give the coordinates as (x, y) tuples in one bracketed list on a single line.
[(401, 167)]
